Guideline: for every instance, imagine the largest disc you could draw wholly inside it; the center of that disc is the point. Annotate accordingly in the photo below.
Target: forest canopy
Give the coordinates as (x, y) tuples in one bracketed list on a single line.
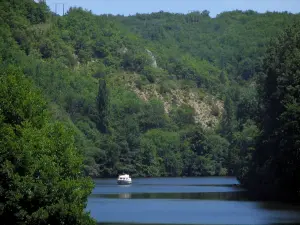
[(160, 94)]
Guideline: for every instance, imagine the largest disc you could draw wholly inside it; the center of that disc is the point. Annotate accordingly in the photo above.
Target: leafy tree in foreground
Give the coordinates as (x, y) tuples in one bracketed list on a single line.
[(40, 170), (275, 171)]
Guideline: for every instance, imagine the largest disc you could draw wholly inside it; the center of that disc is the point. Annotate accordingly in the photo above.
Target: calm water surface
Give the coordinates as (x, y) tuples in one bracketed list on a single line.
[(206, 200)]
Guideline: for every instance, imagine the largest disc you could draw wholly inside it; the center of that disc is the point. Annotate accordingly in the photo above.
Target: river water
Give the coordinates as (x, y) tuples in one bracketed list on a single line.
[(205, 200)]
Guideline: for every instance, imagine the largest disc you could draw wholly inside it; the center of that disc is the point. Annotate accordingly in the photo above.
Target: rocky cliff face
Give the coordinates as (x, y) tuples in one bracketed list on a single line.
[(207, 109), (153, 63)]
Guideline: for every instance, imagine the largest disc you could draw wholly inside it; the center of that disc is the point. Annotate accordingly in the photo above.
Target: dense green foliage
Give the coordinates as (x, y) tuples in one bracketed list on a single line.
[(90, 68), (41, 179), (234, 41), (275, 170), (41, 170)]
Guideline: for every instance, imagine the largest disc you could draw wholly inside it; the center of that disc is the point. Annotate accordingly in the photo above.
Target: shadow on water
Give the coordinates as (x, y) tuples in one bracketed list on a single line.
[(176, 181), (228, 196), (141, 189), (279, 206), (166, 201)]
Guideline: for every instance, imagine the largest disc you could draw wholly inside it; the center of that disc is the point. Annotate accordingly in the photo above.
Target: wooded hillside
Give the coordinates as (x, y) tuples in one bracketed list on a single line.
[(158, 94)]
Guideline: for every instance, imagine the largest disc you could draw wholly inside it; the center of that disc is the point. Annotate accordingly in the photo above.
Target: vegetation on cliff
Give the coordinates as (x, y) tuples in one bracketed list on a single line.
[(156, 94)]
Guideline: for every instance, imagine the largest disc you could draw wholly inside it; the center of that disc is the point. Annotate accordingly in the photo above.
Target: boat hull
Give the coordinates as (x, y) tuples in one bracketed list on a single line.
[(124, 182)]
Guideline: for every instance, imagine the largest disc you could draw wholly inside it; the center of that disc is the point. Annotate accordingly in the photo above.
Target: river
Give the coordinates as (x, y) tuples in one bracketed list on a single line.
[(205, 200)]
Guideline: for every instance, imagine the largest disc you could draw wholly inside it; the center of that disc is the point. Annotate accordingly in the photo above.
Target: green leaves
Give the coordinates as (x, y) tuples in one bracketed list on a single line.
[(102, 106), (20, 103), (41, 171), (183, 115), (136, 60), (277, 153), (165, 146), (72, 58)]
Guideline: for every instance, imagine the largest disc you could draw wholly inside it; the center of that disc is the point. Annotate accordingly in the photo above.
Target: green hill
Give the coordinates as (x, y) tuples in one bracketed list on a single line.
[(156, 94)]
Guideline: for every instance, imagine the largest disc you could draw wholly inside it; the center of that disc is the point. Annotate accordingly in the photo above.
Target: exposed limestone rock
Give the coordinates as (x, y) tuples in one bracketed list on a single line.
[(123, 50), (203, 106), (154, 63)]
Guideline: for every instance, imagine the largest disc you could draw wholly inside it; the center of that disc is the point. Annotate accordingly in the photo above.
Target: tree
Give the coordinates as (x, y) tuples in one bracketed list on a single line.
[(217, 150), (64, 55), (183, 115), (41, 178), (152, 115), (243, 146), (247, 105), (275, 170), (228, 120), (102, 106)]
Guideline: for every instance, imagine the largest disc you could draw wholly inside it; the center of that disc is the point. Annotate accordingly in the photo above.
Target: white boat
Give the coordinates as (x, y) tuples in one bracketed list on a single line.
[(124, 179)]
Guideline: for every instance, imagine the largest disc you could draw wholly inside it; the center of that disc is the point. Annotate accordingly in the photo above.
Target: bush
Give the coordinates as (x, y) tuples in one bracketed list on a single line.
[(138, 84), (183, 115), (166, 86), (215, 111), (209, 100), (150, 78), (187, 84)]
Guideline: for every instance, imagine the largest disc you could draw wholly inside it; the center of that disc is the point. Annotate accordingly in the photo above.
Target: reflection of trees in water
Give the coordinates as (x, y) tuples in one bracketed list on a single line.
[(124, 195), (230, 196), (282, 206)]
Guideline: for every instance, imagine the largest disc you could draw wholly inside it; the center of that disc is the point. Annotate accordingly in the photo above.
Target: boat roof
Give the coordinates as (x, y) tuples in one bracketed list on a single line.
[(124, 175)]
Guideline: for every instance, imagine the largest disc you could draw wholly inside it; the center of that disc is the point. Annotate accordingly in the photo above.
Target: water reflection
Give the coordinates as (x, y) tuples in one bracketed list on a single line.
[(228, 196), (278, 206), (115, 189), (176, 181), (125, 195), (184, 201), (153, 211)]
